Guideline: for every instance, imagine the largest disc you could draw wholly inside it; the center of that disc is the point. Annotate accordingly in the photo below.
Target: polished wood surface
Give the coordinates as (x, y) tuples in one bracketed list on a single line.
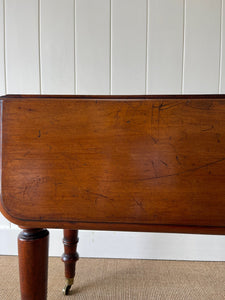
[(146, 163), (33, 263)]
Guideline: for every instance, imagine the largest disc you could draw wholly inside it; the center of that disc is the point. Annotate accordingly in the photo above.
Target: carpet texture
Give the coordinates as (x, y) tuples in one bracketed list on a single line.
[(120, 279)]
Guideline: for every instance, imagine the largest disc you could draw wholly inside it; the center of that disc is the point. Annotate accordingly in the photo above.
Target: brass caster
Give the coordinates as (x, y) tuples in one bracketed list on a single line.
[(66, 289)]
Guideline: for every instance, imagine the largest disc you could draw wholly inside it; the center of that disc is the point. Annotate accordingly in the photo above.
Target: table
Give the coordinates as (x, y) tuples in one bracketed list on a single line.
[(135, 163)]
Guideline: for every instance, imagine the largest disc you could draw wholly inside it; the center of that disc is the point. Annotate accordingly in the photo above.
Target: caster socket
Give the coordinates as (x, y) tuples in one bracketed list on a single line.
[(66, 289)]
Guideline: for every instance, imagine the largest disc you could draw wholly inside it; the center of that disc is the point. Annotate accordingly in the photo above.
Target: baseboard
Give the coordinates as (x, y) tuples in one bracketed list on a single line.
[(109, 244)]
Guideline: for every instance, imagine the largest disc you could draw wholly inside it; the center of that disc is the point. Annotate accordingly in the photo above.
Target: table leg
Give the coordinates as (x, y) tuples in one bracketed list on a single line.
[(33, 263), (70, 257)]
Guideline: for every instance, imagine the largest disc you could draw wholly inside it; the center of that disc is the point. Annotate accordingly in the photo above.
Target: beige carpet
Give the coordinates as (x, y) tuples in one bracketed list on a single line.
[(119, 279)]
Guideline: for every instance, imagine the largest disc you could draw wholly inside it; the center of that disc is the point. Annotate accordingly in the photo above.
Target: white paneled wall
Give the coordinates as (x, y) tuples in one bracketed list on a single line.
[(2, 52), (3, 222), (92, 47), (202, 46), (115, 47), (128, 55), (57, 46), (165, 46), (22, 46), (222, 56)]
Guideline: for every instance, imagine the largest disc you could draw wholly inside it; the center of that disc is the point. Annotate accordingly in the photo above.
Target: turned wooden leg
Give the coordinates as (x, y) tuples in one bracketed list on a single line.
[(33, 263), (70, 257)]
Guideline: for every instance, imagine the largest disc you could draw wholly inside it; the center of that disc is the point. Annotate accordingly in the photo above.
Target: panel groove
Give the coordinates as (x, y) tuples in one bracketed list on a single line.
[(74, 46), (222, 52), (147, 47), (221, 48), (111, 47), (110, 50), (184, 45), (39, 44)]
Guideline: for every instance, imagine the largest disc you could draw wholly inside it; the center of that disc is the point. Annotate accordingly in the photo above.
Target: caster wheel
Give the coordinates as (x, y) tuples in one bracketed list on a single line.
[(66, 289)]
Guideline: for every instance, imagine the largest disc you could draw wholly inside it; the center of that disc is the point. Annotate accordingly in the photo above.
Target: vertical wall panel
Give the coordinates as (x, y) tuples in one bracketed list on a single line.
[(92, 46), (57, 46), (202, 46), (129, 46), (2, 46), (165, 47), (223, 49), (22, 55), (3, 221)]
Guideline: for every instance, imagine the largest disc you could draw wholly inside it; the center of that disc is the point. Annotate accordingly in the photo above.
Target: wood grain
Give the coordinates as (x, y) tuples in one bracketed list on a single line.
[(33, 263), (150, 163)]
